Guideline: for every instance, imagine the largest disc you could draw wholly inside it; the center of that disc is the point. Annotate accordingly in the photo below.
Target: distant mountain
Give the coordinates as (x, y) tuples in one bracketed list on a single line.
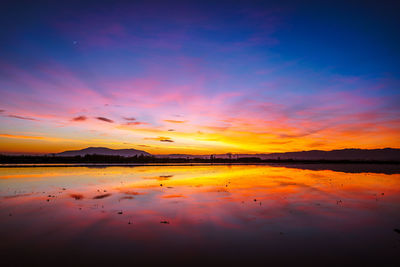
[(386, 154), (104, 151)]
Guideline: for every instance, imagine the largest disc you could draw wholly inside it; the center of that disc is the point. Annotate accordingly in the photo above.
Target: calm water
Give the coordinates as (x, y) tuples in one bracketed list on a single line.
[(230, 215)]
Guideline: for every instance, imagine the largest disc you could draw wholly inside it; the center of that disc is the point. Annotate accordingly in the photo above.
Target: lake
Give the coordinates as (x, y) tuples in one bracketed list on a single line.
[(198, 215)]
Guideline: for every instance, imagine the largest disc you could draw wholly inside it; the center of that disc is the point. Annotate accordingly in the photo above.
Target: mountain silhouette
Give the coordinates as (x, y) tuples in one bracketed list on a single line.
[(340, 154), (385, 154), (104, 151)]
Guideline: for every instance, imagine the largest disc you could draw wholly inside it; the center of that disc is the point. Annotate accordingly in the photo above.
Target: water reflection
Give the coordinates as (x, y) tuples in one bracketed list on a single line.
[(186, 214)]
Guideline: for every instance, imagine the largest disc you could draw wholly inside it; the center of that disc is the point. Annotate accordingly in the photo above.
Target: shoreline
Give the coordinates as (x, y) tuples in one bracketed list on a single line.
[(345, 167), (305, 162)]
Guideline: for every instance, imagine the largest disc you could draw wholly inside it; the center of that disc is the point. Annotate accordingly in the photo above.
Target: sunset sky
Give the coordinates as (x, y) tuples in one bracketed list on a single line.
[(199, 77)]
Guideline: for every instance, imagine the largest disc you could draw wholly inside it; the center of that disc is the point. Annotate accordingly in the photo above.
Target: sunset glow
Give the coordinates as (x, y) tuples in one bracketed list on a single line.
[(198, 78)]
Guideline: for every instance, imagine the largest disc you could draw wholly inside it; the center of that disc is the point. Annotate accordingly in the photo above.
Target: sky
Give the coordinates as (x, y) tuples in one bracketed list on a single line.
[(199, 77)]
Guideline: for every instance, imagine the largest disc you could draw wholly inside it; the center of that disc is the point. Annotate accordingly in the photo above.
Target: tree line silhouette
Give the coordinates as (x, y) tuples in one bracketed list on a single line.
[(110, 159)]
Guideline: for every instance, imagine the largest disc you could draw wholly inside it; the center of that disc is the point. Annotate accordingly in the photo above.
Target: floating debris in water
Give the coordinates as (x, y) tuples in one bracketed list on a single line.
[(133, 193), (101, 196), (128, 197), (119, 212), (76, 196), (165, 222), (397, 230), (255, 200), (173, 196), (164, 177)]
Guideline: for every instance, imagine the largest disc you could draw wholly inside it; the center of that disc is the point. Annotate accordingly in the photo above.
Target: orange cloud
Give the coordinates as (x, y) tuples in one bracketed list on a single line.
[(135, 123), (175, 121), (22, 136), (44, 138)]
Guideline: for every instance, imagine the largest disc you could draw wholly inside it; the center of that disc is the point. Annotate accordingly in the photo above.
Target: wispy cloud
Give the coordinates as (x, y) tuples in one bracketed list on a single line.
[(105, 119), (43, 138), (135, 123), (129, 118), (166, 140), (175, 121), (160, 138), (22, 117), (21, 136), (80, 118)]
